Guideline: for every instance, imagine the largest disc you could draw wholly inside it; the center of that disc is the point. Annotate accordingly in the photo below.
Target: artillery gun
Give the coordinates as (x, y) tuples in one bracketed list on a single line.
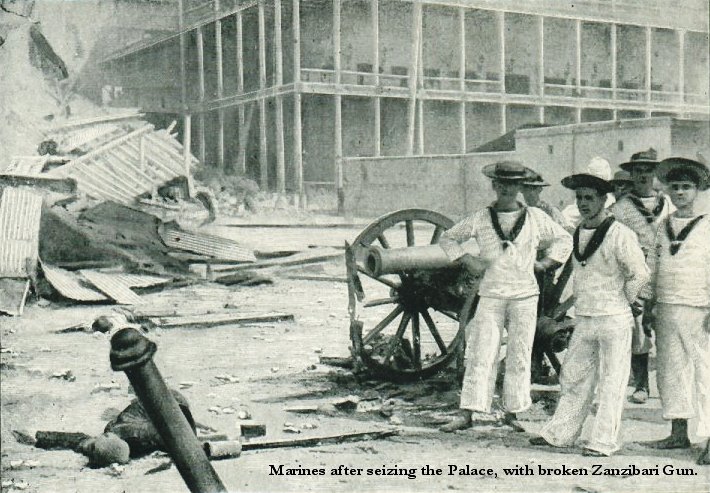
[(409, 305)]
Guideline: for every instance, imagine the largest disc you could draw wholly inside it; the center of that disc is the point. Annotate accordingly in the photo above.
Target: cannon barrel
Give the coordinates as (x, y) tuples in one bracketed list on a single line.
[(381, 261)]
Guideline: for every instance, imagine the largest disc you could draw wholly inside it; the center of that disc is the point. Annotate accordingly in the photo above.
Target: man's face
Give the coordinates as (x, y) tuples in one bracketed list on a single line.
[(506, 189), (642, 175), (589, 201), (531, 194), (622, 187), (682, 193)]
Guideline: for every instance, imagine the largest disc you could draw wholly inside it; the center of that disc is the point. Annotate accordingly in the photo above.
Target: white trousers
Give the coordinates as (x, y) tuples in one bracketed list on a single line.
[(485, 332), (599, 353), (683, 354)]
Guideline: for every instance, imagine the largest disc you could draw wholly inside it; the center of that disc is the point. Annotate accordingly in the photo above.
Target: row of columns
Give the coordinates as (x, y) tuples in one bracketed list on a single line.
[(415, 120)]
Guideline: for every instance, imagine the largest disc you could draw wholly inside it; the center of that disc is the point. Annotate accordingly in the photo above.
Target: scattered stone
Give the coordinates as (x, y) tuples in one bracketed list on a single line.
[(274, 369), (106, 387), (347, 404), (186, 385), (215, 409), (64, 375), (291, 429), (251, 429), (228, 410), (43, 303), (318, 350), (395, 420), (243, 414), (116, 469), (311, 367), (16, 464), (227, 378), (370, 395), (309, 426)]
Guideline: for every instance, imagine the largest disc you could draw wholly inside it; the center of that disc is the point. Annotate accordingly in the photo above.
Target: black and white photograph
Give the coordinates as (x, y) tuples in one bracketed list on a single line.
[(354, 246)]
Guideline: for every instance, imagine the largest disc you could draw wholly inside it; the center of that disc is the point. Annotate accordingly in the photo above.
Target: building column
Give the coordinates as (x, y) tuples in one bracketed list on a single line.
[(462, 79), (414, 76), (578, 55), (681, 68), (241, 156), (297, 122), (183, 55), (220, 90), (648, 64), (201, 74), (375, 17), (614, 61), (420, 101), (263, 157), (186, 154), (279, 80), (338, 107), (501, 49), (503, 118), (541, 55)]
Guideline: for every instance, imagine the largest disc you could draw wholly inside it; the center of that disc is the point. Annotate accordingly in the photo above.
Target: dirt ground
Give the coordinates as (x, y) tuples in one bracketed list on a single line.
[(275, 366)]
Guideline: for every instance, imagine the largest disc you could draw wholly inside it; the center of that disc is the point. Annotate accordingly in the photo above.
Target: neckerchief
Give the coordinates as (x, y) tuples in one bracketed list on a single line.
[(676, 242), (514, 232), (650, 216), (594, 242)]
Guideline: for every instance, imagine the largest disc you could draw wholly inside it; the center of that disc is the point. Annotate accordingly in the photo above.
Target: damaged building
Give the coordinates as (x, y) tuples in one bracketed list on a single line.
[(287, 92)]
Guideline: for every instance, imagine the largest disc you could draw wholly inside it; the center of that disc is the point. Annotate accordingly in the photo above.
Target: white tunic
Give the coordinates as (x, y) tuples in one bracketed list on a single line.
[(612, 277), (683, 278), (510, 274)]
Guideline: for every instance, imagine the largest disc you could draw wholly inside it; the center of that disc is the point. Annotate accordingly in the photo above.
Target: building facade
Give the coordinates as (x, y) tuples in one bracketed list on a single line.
[(284, 90)]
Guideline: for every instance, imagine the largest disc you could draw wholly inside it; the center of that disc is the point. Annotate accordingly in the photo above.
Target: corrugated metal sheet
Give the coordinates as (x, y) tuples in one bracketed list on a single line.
[(115, 171), (140, 280), (112, 286), (71, 285), (20, 211), (26, 165), (214, 246)]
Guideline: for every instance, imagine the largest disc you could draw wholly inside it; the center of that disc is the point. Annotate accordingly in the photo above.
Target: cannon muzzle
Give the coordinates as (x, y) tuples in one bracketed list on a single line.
[(381, 261)]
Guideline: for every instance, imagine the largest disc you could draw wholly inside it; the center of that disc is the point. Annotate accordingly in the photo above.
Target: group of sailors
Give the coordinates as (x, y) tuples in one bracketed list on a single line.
[(641, 265)]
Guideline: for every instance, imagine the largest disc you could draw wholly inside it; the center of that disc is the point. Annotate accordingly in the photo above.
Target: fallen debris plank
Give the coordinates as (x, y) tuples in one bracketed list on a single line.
[(221, 319), (214, 246), (40, 182), (244, 278), (59, 440), (317, 441), (112, 286), (141, 280), (303, 277), (13, 294), (336, 361), (71, 285), (302, 409), (303, 258)]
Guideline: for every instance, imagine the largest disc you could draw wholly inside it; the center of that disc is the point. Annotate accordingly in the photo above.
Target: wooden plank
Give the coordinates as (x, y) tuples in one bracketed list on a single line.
[(218, 319), (299, 259), (42, 182), (112, 287), (321, 440)]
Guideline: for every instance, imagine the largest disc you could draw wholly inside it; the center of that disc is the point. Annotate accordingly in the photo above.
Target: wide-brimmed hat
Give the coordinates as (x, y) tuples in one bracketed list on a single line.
[(507, 170), (621, 177), (644, 157), (535, 180), (584, 180), (690, 166)]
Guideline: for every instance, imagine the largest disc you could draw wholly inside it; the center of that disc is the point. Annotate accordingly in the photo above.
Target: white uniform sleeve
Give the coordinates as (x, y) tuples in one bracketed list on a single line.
[(633, 264), (460, 232), (557, 241)]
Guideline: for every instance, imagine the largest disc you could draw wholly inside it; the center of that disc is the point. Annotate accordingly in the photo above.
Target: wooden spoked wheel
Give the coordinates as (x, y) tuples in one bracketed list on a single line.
[(403, 326)]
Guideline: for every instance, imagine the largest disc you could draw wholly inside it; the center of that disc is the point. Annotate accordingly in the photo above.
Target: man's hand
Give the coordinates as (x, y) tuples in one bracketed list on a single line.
[(545, 265), (475, 265)]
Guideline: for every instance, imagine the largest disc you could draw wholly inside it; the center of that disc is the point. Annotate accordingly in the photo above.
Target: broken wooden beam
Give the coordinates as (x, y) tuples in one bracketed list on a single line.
[(204, 321), (338, 361), (38, 182), (318, 441), (303, 258)]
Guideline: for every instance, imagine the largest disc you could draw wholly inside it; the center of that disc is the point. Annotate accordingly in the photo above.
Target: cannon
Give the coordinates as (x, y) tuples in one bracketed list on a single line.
[(409, 305)]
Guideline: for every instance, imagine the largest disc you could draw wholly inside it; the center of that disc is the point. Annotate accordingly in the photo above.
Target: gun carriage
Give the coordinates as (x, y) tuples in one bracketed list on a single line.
[(409, 304)]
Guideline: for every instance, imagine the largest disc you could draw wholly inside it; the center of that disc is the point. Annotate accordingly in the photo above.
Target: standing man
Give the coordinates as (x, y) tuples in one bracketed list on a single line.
[(681, 264), (508, 235), (531, 190), (643, 210), (622, 183), (609, 273), (599, 167)]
